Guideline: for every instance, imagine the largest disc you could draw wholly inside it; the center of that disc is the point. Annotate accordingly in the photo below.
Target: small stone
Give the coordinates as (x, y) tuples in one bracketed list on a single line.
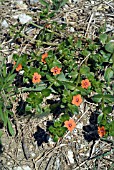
[(21, 72), (33, 155), (9, 58), (15, 16), (17, 168), (20, 4), (33, 1), (4, 24), (72, 29), (79, 126), (23, 18), (26, 167), (8, 163), (92, 2), (68, 137), (70, 156), (50, 141)]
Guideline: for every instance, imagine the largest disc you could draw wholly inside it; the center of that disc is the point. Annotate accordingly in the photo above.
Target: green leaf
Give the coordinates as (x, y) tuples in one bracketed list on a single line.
[(78, 43), (84, 70), (57, 83), (55, 138), (57, 124), (38, 88), (56, 63), (44, 3), (60, 131), (113, 58), (51, 79), (103, 38), (1, 133), (111, 129), (5, 117), (69, 85), (73, 74), (109, 97), (105, 56), (4, 70), (61, 77), (99, 119), (107, 110), (1, 113), (28, 108), (46, 92), (63, 2), (85, 52), (109, 47), (64, 117), (51, 129), (108, 74), (11, 77), (97, 98), (73, 109), (38, 109), (10, 128)]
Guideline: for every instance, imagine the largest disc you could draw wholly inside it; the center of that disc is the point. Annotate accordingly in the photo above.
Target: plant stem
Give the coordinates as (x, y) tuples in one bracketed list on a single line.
[(46, 29)]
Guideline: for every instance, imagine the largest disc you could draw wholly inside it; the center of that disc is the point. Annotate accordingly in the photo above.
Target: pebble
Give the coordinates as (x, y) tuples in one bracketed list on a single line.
[(20, 4), (109, 27), (50, 141), (33, 154), (4, 24), (23, 18), (33, 1), (72, 29), (22, 168), (70, 156), (9, 58), (79, 126), (68, 137)]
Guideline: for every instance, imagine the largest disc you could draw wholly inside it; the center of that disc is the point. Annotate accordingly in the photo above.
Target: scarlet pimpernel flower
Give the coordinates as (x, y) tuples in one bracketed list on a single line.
[(56, 70), (77, 100), (44, 56), (19, 67), (70, 124), (101, 131), (85, 83), (36, 78)]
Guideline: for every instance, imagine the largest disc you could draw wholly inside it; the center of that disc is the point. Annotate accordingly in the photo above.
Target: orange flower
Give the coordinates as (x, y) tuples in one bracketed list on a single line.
[(70, 124), (101, 131), (56, 70), (44, 56), (77, 100), (19, 67), (85, 83), (36, 78)]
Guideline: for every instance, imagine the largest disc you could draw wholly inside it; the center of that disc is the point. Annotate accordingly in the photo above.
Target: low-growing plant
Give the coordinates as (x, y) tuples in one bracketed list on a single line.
[(7, 90), (78, 69)]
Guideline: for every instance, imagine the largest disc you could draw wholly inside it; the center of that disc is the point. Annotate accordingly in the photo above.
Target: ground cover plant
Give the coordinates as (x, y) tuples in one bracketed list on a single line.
[(76, 69)]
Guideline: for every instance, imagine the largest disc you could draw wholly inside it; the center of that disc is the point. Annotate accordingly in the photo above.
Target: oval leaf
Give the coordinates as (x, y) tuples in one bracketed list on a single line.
[(10, 128), (108, 74), (97, 98), (109, 47), (46, 92)]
